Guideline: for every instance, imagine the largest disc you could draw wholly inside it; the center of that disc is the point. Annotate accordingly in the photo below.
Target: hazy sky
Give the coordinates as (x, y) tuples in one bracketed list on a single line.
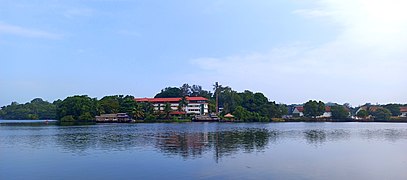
[(291, 50)]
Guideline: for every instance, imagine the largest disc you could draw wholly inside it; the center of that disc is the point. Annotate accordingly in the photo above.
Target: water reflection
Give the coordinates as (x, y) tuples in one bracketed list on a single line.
[(187, 141), (221, 143), (170, 143), (315, 136), (318, 137), (391, 135), (191, 151)]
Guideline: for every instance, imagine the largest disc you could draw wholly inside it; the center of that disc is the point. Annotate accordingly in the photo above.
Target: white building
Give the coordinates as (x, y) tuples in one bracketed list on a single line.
[(298, 111), (403, 111), (196, 105)]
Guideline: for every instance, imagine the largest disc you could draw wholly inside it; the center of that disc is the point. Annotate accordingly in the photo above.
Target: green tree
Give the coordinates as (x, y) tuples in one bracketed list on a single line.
[(78, 107), (393, 108), (167, 110), (2, 113), (68, 118), (169, 92), (36, 109), (314, 108), (242, 114), (382, 114), (86, 117), (109, 105), (339, 112), (185, 90), (362, 114), (127, 105), (182, 104)]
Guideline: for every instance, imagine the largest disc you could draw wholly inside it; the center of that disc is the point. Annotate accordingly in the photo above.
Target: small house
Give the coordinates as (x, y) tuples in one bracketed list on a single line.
[(403, 111), (119, 117)]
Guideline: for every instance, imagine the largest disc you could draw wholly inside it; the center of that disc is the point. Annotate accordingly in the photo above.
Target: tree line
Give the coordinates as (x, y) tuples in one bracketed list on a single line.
[(246, 106)]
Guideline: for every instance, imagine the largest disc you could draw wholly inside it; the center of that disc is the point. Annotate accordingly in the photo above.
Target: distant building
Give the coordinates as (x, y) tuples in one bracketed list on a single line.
[(196, 105), (327, 113), (403, 111), (298, 111), (119, 117)]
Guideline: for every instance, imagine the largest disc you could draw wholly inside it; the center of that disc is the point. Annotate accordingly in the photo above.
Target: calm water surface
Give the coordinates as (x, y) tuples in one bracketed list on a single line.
[(205, 151)]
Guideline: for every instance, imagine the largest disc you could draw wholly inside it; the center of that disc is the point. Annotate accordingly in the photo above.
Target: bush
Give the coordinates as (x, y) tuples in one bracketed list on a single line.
[(67, 119)]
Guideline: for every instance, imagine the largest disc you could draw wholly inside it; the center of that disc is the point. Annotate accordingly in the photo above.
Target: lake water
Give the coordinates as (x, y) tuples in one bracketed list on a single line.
[(205, 151)]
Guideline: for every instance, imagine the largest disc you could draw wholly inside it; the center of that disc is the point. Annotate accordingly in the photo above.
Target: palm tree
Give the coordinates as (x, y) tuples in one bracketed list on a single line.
[(137, 112), (182, 104), (216, 88), (167, 110)]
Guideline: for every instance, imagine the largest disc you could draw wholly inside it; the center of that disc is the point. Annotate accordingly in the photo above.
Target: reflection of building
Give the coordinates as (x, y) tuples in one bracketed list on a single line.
[(119, 117), (196, 105)]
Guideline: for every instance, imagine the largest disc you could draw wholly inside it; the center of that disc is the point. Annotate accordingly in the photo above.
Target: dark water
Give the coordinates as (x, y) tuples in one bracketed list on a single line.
[(205, 151)]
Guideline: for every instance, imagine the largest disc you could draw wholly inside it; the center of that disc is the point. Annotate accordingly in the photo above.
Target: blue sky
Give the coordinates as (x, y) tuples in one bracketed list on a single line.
[(291, 50)]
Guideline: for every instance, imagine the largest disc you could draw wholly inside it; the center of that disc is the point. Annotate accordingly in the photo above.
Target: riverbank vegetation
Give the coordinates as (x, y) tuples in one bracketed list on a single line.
[(246, 106)]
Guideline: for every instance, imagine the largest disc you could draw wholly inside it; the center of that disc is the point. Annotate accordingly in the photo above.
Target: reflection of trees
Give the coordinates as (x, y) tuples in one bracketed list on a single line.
[(182, 143), (80, 139), (223, 143), (317, 137), (75, 142), (391, 135)]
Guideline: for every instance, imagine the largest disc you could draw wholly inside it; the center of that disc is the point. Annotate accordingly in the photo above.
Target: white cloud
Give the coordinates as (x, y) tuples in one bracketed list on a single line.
[(27, 32), (365, 62)]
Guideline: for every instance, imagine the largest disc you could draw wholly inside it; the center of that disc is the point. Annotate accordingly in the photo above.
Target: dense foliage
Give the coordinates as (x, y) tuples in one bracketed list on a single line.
[(339, 112), (362, 114), (77, 108), (36, 109), (393, 108), (314, 108), (381, 114), (246, 106)]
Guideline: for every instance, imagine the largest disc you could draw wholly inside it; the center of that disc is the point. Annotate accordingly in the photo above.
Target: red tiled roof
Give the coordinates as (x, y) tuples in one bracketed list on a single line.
[(403, 109), (300, 108), (177, 112), (152, 100)]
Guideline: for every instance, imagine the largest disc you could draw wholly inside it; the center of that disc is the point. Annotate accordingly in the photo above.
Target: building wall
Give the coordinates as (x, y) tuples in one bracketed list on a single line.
[(300, 114), (192, 108), (325, 115), (195, 108)]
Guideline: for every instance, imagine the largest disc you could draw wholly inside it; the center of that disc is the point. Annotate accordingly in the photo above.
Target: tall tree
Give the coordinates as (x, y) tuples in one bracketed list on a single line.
[(185, 90), (216, 88), (167, 110), (339, 112), (393, 108), (109, 105), (314, 108), (362, 114), (78, 107), (36, 109), (382, 114), (183, 104), (169, 92)]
